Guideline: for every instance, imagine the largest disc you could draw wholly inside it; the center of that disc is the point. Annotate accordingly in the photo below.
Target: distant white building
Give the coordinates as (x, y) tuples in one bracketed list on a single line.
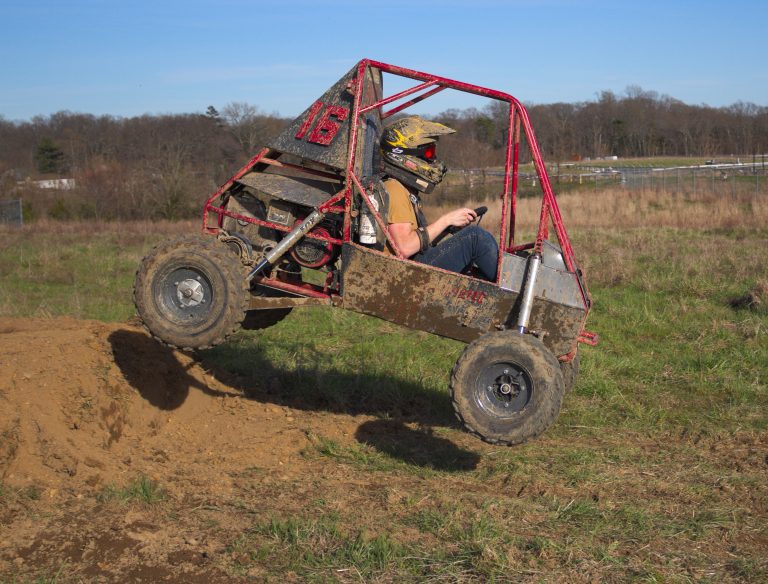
[(61, 184)]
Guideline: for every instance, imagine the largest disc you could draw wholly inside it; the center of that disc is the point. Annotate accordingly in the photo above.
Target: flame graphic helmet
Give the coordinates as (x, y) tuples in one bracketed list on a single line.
[(409, 152)]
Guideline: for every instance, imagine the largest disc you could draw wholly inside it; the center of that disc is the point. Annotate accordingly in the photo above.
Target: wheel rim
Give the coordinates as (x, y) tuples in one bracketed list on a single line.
[(186, 295), (503, 389)]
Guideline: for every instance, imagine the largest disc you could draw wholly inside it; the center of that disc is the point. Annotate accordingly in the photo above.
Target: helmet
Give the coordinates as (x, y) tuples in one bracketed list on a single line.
[(408, 146)]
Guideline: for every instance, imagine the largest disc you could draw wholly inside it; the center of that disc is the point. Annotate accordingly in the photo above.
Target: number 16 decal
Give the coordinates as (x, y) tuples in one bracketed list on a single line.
[(327, 127)]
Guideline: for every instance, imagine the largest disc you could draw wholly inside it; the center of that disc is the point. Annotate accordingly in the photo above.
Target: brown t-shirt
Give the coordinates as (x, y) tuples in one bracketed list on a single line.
[(400, 207)]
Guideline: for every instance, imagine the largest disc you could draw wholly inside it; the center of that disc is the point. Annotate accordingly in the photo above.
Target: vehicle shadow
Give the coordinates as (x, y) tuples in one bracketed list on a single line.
[(419, 446), (154, 370), (162, 377), (316, 385)]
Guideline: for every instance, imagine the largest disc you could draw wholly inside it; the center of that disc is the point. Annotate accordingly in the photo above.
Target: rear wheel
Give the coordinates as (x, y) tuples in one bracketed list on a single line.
[(191, 292), (507, 388)]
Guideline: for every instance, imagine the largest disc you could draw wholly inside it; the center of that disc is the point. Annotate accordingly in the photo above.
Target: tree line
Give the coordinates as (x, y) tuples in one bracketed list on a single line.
[(164, 166), (637, 124)]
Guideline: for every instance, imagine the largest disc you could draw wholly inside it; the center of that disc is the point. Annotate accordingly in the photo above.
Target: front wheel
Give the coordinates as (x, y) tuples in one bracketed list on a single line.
[(507, 388), (191, 292)]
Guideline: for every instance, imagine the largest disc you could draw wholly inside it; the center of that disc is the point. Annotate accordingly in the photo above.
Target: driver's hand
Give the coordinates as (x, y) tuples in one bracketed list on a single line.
[(461, 217)]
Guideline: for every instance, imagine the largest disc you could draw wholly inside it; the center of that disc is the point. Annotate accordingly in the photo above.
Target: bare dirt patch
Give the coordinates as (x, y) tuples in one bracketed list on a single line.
[(88, 406)]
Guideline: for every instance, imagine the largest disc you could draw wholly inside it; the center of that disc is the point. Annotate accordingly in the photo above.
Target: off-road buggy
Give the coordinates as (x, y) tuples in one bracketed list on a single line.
[(298, 208)]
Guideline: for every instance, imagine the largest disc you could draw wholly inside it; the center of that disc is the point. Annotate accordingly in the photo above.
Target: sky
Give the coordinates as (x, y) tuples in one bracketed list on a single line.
[(133, 57)]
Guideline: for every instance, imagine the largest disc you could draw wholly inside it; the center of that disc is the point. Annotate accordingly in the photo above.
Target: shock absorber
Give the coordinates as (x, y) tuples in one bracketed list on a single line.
[(273, 255), (529, 287)]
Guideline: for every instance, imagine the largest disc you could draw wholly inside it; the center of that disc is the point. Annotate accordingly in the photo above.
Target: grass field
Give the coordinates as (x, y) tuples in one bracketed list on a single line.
[(654, 472)]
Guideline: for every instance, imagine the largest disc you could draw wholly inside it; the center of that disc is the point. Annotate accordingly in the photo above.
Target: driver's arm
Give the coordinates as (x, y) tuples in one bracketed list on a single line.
[(407, 240)]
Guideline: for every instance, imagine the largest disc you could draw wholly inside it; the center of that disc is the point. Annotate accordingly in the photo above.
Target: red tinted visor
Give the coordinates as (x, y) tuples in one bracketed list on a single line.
[(428, 151)]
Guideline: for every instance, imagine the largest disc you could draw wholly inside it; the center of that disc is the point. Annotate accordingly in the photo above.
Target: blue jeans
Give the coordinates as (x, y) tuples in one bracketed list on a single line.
[(470, 245)]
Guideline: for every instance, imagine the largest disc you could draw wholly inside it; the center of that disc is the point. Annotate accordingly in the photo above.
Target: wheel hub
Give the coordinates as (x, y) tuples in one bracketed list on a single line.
[(508, 388), (504, 389), (190, 292), (186, 295)]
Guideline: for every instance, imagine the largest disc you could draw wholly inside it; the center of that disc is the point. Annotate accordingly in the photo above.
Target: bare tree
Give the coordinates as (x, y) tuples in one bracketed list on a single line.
[(251, 127)]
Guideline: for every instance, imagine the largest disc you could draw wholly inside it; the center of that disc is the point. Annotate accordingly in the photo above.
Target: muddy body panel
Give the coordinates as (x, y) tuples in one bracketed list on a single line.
[(420, 297), (559, 324), (321, 133), (444, 303)]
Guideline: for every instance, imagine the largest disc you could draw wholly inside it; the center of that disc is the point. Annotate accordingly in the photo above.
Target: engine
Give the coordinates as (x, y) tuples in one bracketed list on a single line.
[(309, 252), (313, 253)]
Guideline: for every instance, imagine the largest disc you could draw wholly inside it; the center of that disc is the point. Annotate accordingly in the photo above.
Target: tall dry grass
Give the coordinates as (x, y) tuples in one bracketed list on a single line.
[(612, 229), (623, 208), (626, 209)]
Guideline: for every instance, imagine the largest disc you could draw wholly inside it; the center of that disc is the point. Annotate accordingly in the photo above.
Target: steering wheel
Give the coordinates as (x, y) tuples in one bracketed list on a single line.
[(480, 211)]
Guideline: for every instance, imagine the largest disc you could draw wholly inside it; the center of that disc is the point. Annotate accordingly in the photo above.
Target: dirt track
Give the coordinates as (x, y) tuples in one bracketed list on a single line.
[(90, 403), (86, 405)]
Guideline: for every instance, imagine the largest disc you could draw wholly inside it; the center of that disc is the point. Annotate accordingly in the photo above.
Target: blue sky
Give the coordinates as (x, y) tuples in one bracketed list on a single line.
[(136, 56)]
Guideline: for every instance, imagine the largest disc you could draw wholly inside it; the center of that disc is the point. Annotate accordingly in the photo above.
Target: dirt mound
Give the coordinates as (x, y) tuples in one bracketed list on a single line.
[(86, 404)]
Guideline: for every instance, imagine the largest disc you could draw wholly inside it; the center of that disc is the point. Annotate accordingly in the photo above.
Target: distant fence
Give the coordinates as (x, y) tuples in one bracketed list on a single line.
[(706, 178), (11, 213), (716, 178)]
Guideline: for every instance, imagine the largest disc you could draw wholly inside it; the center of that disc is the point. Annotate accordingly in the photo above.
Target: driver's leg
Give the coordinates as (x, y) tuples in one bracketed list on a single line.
[(471, 244)]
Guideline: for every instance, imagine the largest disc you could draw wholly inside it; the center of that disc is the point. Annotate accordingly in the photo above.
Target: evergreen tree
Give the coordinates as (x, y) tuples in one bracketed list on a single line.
[(213, 114), (49, 158)]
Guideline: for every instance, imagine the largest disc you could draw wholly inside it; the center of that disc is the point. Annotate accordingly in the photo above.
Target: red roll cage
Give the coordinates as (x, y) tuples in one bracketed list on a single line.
[(342, 202)]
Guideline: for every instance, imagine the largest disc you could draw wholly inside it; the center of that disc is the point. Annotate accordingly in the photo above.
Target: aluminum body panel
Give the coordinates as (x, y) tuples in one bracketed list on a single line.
[(559, 287), (552, 256)]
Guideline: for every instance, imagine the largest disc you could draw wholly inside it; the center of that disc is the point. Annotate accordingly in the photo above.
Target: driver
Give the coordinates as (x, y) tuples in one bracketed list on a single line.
[(408, 149)]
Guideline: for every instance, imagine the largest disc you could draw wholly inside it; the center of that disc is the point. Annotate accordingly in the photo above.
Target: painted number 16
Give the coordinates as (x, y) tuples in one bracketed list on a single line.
[(327, 127)]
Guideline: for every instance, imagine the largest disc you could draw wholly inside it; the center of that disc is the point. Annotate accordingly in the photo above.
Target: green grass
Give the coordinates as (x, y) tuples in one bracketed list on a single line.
[(13, 494), (470, 540), (44, 578), (142, 489), (653, 472), (79, 275), (624, 511), (673, 352), (318, 548), (308, 547)]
